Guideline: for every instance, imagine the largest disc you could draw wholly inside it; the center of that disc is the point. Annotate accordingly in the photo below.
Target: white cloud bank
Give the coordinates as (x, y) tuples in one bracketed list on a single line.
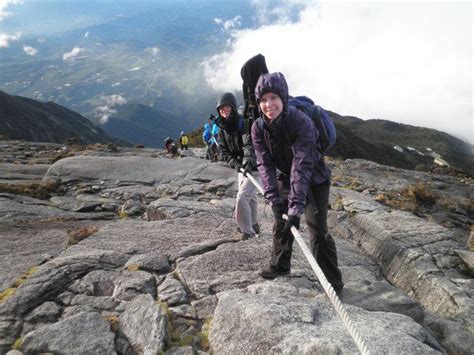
[(3, 7), (30, 50), (74, 53), (5, 39), (404, 62)]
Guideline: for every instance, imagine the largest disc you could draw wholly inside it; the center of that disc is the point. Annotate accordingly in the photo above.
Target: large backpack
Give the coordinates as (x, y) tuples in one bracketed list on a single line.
[(250, 72), (321, 119), (319, 116)]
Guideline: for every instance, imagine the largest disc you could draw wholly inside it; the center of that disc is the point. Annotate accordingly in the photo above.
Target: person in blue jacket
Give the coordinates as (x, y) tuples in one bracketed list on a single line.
[(210, 142), (295, 178)]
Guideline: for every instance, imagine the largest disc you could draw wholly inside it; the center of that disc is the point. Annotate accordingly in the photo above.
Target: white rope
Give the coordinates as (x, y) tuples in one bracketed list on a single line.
[(338, 305)]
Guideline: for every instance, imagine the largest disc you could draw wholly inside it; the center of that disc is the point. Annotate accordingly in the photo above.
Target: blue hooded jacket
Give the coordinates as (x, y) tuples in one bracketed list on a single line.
[(288, 143), (206, 134)]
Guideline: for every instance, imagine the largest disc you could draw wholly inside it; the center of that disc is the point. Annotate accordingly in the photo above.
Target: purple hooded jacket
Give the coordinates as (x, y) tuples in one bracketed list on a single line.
[(288, 143)]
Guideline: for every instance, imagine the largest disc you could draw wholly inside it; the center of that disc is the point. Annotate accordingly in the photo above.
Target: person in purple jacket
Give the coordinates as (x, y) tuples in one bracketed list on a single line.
[(294, 176)]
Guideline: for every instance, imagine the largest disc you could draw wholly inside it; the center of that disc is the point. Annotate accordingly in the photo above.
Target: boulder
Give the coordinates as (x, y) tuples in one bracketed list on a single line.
[(145, 325), (81, 334)]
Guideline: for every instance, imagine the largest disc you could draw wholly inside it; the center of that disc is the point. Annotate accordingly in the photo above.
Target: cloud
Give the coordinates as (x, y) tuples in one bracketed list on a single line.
[(30, 50), (134, 69), (86, 35), (372, 60), (3, 7), (5, 39), (154, 51), (73, 53), (228, 25), (106, 106)]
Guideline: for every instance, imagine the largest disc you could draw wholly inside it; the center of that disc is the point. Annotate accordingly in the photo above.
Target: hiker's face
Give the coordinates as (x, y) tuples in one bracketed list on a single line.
[(271, 105), (225, 111)]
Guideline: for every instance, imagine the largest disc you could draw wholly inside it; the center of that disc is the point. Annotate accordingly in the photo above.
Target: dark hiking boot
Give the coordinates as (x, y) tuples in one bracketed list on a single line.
[(245, 236), (272, 273), (256, 228)]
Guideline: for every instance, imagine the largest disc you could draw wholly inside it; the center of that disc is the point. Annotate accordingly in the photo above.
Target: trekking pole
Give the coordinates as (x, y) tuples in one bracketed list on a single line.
[(338, 305)]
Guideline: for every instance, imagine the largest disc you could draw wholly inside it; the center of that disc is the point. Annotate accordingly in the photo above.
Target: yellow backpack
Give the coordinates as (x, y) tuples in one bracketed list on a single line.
[(184, 140)]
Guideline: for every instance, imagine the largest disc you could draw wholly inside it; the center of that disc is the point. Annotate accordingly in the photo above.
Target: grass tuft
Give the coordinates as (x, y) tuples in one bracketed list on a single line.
[(75, 236), (40, 190)]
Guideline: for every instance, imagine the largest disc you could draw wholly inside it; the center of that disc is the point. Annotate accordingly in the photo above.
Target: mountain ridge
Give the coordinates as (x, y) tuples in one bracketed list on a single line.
[(32, 120)]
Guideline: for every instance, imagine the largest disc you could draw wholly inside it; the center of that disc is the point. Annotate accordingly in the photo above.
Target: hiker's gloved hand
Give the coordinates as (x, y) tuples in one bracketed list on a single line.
[(238, 166), (248, 169), (232, 162), (249, 165), (290, 222), (278, 211)]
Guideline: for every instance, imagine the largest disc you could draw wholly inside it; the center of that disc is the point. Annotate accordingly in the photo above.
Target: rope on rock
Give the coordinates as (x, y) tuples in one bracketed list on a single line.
[(338, 305)]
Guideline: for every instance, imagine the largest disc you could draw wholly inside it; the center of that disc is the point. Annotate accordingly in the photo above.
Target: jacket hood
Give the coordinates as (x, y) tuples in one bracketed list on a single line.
[(275, 83), (227, 99)]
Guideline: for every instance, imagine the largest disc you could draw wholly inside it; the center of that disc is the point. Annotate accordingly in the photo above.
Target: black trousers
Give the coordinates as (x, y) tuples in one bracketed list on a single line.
[(323, 246)]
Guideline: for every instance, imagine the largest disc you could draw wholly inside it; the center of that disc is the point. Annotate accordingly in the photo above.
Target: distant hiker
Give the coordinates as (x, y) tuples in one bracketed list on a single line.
[(215, 134), (210, 142), (170, 147), (183, 141), (231, 132), (288, 140)]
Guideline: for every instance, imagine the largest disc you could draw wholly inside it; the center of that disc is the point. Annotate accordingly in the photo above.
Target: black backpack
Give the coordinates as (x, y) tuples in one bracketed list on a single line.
[(250, 72)]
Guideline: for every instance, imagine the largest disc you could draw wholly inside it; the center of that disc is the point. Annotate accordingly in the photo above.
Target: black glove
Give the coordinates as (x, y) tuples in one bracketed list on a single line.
[(278, 211), (237, 167), (232, 162), (248, 169), (290, 222), (249, 165)]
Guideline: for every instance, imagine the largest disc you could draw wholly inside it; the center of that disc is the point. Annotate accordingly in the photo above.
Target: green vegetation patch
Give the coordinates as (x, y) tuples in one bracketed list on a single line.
[(9, 292)]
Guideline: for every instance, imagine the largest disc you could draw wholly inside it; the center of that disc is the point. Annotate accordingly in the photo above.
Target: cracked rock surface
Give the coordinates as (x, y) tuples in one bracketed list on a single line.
[(173, 276)]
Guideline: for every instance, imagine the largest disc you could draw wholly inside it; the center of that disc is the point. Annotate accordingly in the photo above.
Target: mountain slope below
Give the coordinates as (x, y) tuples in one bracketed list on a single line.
[(384, 135), (142, 124), (31, 120)]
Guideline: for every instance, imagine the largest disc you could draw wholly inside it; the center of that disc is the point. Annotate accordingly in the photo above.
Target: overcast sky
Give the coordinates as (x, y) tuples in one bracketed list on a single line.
[(405, 62)]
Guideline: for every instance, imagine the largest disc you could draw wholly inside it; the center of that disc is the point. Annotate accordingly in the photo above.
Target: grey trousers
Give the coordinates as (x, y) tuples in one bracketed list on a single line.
[(246, 204)]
